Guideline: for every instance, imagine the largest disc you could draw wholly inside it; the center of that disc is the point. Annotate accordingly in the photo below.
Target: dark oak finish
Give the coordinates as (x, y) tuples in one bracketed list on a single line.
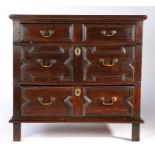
[(99, 101), (109, 65), (16, 131), (77, 68), (104, 33), (135, 131), (58, 32), (46, 101), (45, 64)]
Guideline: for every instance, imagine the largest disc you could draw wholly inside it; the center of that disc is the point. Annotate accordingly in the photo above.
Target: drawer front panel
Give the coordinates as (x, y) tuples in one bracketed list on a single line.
[(46, 64), (108, 101), (46, 101), (108, 33), (46, 33), (108, 64)]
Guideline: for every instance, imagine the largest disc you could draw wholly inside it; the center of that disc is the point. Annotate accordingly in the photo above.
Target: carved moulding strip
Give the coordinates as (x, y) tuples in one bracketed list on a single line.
[(69, 105), (68, 62), (71, 32), (85, 63), (84, 32), (87, 102), (129, 102)]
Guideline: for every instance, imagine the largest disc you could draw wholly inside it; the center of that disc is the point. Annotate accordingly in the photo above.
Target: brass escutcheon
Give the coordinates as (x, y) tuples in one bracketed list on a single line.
[(77, 92), (77, 51)]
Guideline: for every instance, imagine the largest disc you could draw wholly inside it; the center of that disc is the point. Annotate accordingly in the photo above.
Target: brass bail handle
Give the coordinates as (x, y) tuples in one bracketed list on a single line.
[(113, 100), (45, 103), (113, 62), (51, 63), (46, 34), (112, 33)]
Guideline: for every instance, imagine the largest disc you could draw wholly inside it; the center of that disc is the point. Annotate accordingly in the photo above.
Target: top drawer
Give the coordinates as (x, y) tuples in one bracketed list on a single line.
[(85, 29), (44, 33), (108, 33)]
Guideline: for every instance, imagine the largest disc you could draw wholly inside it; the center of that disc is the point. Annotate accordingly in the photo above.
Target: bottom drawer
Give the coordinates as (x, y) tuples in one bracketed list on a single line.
[(46, 101), (108, 101), (77, 101)]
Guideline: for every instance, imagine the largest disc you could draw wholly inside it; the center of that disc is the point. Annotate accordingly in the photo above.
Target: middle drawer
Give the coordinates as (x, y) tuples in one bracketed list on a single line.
[(75, 64)]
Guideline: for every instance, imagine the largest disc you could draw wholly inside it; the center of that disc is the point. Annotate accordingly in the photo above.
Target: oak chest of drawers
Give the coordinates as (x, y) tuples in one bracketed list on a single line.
[(77, 69)]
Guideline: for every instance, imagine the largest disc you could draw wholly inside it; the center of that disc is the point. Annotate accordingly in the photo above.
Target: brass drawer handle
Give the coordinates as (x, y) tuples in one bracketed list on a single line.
[(113, 62), (46, 34), (42, 102), (112, 33), (113, 100), (77, 51), (42, 63), (77, 92)]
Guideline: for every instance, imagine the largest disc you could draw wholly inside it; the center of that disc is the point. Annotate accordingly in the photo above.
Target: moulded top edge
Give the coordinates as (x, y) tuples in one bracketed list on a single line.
[(31, 17)]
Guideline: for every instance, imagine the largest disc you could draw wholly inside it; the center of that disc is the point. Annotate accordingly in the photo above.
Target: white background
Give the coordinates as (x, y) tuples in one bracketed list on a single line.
[(77, 138)]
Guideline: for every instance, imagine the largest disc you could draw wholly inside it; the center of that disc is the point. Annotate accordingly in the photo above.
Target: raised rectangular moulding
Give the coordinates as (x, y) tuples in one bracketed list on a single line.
[(44, 64), (108, 32), (46, 101), (46, 33), (77, 68)]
